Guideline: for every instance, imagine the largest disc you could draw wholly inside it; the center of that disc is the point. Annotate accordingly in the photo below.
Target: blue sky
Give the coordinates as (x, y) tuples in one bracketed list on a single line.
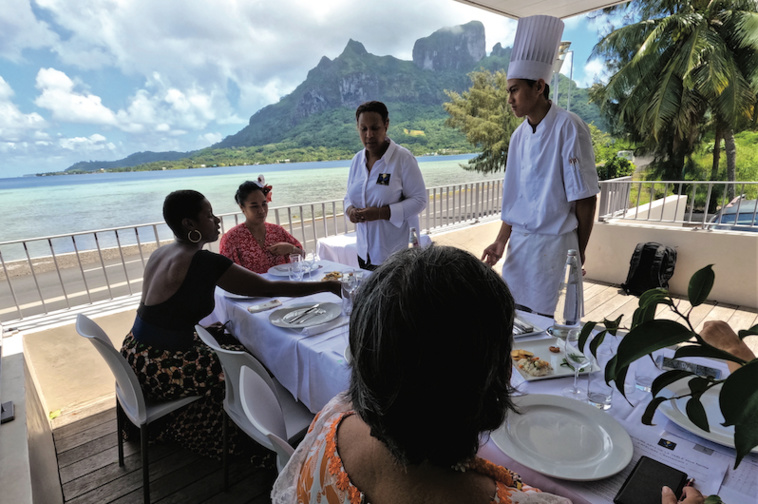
[(102, 79)]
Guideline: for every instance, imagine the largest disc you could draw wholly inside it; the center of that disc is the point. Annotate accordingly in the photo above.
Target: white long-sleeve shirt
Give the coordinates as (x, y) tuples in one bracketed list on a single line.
[(404, 192)]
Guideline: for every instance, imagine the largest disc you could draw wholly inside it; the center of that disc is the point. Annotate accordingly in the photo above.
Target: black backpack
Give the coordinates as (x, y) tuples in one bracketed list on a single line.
[(651, 266)]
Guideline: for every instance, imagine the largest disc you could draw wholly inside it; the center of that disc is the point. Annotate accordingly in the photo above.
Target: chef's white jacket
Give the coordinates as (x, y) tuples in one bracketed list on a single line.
[(546, 172)]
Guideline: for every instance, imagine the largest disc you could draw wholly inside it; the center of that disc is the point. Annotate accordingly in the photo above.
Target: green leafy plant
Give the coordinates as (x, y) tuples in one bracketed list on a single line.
[(738, 397)]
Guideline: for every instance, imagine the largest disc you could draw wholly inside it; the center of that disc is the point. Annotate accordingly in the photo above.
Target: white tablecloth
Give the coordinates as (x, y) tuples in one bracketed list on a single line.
[(313, 368), (343, 249)]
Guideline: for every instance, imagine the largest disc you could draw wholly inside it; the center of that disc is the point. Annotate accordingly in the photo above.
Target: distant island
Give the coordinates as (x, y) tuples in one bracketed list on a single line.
[(316, 122)]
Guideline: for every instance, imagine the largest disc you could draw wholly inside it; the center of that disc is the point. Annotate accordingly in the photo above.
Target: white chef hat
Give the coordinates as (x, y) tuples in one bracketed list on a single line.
[(535, 48)]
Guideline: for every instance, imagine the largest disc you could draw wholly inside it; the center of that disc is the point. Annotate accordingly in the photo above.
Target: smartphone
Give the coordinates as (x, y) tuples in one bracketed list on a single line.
[(644, 483), (704, 371)]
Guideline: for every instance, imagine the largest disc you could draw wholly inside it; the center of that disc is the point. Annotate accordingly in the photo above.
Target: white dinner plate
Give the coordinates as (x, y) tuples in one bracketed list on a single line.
[(564, 438), (331, 312), (283, 270), (541, 348), (677, 413)]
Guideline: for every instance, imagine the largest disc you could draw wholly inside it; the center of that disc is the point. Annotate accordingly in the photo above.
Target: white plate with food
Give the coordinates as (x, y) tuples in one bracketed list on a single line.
[(543, 359), (676, 412), (305, 315), (564, 438), (283, 270)]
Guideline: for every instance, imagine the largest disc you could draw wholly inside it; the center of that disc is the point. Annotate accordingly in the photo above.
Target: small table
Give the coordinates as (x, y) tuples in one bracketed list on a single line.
[(344, 249)]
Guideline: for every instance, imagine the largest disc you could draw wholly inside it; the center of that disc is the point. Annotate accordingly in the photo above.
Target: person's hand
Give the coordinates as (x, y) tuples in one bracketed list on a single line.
[(690, 495), (284, 248), (334, 287), (369, 214), (352, 214), (719, 334), (493, 253)]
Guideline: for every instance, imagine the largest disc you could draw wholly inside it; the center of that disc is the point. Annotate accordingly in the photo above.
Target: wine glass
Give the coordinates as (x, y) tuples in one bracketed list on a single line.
[(296, 267), (576, 360), (349, 285)]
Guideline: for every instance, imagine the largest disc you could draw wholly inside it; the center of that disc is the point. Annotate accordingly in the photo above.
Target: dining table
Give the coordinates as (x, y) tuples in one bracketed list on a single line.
[(311, 363), (343, 248)]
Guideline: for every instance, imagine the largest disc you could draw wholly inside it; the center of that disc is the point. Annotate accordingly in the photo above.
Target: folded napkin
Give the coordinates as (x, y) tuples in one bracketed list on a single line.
[(326, 326)]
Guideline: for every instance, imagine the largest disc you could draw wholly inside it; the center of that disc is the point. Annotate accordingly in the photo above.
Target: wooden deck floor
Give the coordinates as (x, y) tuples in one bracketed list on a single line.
[(89, 471), (87, 451)]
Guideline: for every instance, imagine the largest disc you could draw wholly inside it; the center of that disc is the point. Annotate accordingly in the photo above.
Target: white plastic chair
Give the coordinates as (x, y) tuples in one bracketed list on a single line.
[(130, 400), (297, 418), (262, 410)]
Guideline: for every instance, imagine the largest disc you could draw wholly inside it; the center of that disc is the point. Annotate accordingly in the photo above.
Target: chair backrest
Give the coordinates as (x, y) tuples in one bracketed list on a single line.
[(231, 362), (264, 413), (127, 385)]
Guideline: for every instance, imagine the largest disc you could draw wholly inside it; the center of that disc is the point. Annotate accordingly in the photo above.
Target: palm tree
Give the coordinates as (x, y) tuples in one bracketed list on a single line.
[(685, 66)]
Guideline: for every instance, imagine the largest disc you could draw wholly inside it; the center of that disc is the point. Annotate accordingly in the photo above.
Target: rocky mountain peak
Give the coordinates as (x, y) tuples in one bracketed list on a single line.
[(456, 48)]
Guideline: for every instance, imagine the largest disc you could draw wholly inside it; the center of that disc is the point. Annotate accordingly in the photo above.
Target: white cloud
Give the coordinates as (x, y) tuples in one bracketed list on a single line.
[(210, 138), (16, 126), (58, 96), (595, 71), (92, 143), (20, 30)]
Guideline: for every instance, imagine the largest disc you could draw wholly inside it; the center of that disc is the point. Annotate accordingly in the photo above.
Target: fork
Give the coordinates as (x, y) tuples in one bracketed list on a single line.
[(298, 317)]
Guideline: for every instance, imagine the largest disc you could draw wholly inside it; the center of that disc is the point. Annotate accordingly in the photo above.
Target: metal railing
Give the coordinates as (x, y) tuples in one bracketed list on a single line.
[(52, 274), (699, 205)]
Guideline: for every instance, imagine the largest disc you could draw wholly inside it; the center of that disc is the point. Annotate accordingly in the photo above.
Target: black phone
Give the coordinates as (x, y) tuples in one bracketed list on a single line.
[(704, 371), (644, 483)]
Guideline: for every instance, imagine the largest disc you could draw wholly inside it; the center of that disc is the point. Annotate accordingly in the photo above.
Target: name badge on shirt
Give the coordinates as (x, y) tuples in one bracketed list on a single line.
[(383, 179)]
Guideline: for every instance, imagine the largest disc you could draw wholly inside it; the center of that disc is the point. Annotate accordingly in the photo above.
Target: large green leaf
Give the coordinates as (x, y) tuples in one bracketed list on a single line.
[(664, 379), (696, 413), (704, 351), (739, 394), (700, 285), (647, 416), (745, 438), (649, 337), (748, 332)]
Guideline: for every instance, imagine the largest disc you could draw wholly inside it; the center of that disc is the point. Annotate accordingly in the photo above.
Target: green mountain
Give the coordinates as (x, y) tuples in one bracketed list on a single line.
[(317, 120)]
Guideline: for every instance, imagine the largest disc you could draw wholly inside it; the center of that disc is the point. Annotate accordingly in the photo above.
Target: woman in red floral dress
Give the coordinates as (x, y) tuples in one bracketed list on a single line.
[(256, 244)]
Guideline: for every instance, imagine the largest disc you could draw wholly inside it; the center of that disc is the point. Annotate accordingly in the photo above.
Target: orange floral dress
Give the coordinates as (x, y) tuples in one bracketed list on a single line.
[(315, 473)]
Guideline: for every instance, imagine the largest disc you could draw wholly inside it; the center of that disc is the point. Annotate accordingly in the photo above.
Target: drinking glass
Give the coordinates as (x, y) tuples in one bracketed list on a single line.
[(349, 285), (599, 393), (577, 360), (308, 262), (296, 267)]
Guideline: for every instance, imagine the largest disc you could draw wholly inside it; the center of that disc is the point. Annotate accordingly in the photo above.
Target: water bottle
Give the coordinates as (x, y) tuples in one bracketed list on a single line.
[(413, 240), (570, 307)]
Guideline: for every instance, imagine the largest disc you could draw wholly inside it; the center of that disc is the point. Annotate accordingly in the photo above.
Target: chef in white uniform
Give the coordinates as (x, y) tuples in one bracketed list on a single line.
[(551, 183)]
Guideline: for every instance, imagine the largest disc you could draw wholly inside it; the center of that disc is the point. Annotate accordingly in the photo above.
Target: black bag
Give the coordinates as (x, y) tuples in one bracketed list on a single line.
[(651, 266)]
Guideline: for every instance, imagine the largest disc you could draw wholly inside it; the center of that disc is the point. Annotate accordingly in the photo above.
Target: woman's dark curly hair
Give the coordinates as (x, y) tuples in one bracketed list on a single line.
[(430, 340), (179, 205)]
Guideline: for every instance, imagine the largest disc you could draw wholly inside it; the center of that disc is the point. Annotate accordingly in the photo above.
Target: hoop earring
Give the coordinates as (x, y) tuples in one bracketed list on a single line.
[(199, 236)]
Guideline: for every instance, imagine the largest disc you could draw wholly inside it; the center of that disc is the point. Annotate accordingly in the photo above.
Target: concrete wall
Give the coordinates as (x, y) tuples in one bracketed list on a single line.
[(28, 466), (734, 257)]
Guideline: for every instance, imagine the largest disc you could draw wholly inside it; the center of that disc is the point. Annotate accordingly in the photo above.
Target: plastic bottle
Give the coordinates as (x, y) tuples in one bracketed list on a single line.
[(413, 240), (570, 307)]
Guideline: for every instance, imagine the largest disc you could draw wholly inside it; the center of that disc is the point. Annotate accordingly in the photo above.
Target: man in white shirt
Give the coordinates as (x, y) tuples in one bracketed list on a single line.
[(550, 185)]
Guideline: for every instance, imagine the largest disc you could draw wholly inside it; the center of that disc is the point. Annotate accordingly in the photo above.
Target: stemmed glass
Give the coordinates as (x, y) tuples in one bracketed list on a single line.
[(576, 360), (349, 285)]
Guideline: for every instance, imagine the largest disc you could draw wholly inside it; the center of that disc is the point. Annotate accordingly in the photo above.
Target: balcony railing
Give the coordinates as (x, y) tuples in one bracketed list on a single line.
[(53, 274), (41, 276), (699, 205)]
